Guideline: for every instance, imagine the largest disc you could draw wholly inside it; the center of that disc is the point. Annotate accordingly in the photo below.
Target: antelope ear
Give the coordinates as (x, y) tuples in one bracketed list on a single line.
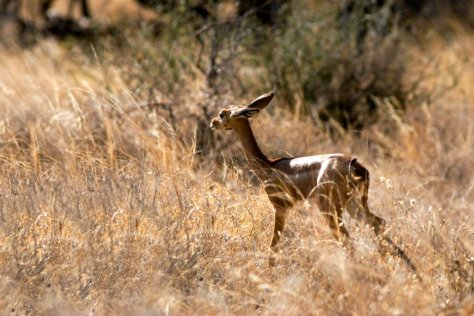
[(244, 113), (262, 101)]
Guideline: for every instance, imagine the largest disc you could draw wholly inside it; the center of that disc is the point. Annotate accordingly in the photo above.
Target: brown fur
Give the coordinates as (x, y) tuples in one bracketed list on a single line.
[(335, 181)]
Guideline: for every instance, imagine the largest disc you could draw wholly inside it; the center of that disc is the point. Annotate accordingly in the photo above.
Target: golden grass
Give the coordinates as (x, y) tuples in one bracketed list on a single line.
[(104, 210)]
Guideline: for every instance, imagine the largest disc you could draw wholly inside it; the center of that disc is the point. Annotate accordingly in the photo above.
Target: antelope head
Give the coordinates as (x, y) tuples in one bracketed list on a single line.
[(229, 116)]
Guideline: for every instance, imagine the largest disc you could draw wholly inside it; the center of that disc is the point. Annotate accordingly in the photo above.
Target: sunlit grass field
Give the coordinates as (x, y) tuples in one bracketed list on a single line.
[(107, 208)]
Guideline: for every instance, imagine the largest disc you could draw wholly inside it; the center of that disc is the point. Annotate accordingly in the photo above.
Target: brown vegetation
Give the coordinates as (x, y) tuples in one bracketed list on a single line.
[(115, 201)]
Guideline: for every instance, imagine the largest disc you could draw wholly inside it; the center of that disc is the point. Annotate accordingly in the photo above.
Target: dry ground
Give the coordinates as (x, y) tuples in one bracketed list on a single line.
[(105, 210)]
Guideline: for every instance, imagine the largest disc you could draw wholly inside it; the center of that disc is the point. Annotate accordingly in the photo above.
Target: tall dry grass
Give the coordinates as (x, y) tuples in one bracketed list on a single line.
[(105, 209)]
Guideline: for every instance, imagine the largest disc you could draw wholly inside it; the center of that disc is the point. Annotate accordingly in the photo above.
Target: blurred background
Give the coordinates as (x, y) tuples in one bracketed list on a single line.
[(331, 60), (339, 63)]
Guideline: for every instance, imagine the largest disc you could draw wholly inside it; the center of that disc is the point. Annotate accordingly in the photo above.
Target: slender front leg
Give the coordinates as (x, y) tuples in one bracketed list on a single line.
[(282, 206), (280, 220)]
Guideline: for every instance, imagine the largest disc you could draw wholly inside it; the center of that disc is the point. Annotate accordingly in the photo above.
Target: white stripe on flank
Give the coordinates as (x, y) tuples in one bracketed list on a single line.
[(311, 160), (322, 170)]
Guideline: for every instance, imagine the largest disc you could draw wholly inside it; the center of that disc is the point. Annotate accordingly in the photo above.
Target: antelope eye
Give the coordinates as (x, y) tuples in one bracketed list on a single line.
[(221, 115)]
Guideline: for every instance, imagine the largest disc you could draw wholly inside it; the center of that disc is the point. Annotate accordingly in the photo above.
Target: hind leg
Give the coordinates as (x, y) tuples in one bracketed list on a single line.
[(331, 206), (376, 222), (358, 208)]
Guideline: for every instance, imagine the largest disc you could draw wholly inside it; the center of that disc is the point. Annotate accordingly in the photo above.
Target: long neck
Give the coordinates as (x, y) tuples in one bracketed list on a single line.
[(258, 161)]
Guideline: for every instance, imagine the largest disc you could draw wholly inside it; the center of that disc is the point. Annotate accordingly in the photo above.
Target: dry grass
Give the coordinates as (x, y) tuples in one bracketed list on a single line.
[(104, 209)]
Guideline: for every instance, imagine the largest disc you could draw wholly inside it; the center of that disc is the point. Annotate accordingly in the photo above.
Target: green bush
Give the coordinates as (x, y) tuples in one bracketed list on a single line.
[(338, 59)]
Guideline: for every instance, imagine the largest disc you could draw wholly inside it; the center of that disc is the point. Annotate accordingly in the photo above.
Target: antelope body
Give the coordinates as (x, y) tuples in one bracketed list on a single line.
[(334, 181)]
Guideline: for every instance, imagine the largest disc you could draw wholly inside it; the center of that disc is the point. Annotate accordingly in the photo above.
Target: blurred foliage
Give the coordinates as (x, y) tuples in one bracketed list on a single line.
[(332, 62), (328, 61), (338, 58)]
